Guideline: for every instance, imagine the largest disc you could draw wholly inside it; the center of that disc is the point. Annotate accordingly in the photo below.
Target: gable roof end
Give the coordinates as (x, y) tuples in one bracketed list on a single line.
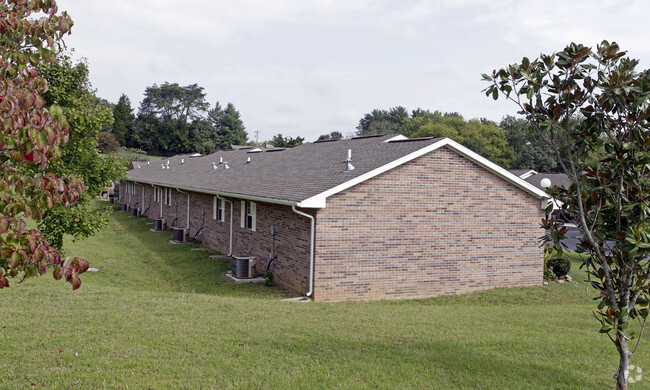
[(320, 200)]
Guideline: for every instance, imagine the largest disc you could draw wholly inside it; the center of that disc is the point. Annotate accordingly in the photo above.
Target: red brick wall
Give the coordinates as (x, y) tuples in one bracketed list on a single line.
[(291, 267), (439, 224)]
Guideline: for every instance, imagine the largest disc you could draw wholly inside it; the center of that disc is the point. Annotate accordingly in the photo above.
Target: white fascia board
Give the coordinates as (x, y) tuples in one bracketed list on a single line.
[(494, 168), (320, 200), (528, 174)]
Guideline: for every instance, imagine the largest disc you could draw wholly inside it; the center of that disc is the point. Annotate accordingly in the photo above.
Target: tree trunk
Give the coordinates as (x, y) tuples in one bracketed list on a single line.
[(624, 353)]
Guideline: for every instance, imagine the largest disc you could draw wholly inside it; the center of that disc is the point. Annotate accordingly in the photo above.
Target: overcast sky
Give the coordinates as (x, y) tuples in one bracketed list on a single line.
[(305, 68)]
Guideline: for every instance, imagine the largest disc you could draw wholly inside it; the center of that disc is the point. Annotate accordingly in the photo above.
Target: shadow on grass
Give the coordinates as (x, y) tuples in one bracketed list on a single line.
[(130, 254)]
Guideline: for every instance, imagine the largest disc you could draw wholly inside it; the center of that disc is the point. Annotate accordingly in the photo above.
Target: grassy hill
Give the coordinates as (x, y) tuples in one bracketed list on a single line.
[(158, 315)]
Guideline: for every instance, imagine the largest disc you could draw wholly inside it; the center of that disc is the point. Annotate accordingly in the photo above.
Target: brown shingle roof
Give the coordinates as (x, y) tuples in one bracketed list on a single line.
[(558, 179), (291, 175), (305, 175)]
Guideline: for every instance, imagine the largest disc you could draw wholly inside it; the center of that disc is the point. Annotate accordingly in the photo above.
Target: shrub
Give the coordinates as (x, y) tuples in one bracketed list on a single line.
[(560, 266), (268, 277)]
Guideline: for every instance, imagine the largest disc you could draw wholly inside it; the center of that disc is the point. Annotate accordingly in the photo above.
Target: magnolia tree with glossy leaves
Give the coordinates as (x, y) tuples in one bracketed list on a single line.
[(31, 134), (608, 200)]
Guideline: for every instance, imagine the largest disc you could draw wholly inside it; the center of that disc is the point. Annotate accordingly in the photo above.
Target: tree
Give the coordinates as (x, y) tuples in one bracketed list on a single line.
[(166, 116), (611, 199), (530, 152), (106, 142), (32, 136), (482, 136), (331, 135), (123, 121), (70, 87), (382, 121), (228, 127), (286, 142)]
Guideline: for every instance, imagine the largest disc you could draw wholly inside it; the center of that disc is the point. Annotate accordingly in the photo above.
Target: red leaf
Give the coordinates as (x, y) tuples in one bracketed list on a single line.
[(76, 282), (4, 224), (3, 282)]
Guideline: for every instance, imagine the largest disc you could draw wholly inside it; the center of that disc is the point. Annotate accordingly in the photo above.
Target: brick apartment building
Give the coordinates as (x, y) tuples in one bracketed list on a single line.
[(366, 218)]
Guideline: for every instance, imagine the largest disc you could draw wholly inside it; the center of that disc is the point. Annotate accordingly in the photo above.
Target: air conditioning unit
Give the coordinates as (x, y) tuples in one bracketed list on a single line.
[(125, 207), (243, 267), (158, 225), (178, 234), (134, 211)]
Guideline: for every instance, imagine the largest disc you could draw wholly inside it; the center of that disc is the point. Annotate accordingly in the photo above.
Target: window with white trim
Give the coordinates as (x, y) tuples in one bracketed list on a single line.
[(168, 196), (156, 194), (218, 209), (248, 214)]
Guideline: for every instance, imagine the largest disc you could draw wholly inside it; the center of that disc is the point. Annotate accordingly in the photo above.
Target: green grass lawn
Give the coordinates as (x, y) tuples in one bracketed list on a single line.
[(158, 315)]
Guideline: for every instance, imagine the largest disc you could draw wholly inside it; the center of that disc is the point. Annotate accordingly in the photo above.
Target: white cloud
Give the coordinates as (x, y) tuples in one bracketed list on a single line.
[(309, 67)]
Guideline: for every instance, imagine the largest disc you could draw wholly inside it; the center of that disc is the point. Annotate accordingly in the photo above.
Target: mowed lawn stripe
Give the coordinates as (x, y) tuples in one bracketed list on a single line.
[(165, 317)]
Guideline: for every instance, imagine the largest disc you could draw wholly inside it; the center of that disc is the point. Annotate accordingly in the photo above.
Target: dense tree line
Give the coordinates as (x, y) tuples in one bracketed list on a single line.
[(176, 119), (507, 143)]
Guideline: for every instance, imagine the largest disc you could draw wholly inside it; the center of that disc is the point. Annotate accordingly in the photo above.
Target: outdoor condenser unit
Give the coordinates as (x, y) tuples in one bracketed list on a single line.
[(125, 207), (158, 224), (134, 211), (178, 234), (243, 266)]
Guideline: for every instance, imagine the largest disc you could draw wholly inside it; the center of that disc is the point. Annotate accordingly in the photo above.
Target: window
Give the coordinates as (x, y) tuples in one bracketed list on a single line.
[(248, 214), (156, 194), (168, 196), (218, 209)]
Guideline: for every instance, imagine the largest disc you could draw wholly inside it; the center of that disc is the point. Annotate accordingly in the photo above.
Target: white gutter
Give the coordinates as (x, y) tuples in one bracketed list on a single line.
[(311, 250), (226, 200), (228, 194), (187, 226), (159, 200)]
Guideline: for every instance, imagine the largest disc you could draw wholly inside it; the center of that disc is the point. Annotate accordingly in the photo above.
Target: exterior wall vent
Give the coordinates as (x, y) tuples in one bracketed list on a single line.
[(243, 267)]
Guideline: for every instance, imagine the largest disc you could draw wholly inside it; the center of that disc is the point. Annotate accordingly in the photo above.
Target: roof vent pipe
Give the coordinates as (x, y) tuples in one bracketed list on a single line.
[(248, 161), (162, 166), (214, 165), (182, 161), (220, 160), (226, 166), (148, 162), (348, 162)]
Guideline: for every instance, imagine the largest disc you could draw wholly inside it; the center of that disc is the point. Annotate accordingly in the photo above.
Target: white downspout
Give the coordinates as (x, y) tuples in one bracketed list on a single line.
[(311, 249), (159, 200), (187, 226), (226, 200), (141, 203)]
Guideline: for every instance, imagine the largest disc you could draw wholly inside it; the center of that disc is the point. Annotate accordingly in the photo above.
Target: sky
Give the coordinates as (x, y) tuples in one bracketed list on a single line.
[(309, 67)]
